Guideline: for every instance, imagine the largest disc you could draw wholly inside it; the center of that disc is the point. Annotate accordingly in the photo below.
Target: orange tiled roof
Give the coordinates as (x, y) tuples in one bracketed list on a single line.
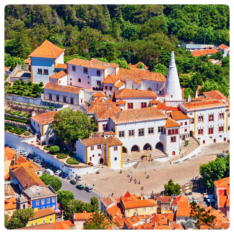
[(93, 63), (222, 182), (27, 176), (171, 123), (107, 201), (109, 133), (121, 102), (135, 75), (204, 52), (45, 118), (93, 141), (7, 177), (118, 85), (178, 115), (6, 68), (135, 115), (100, 106), (163, 227), (164, 199), (99, 94), (177, 226), (43, 212), (59, 75), (183, 211), (223, 47), (47, 50), (62, 88), (133, 93), (49, 226), (61, 65), (107, 113), (198, 87), (111, 141), (135, 66), (139, 203), (28, 60), (82, 216), (62, 226), (115, 211), (179, 198), (9, 153), (20, 160), (154, 101), (215, 94), (10, 203), (204, 104)]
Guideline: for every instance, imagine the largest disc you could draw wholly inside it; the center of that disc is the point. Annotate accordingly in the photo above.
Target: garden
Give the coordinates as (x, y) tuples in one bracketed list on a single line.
[(19, 113), (16, 130), (55, 150), (72, 161), (25, 89)]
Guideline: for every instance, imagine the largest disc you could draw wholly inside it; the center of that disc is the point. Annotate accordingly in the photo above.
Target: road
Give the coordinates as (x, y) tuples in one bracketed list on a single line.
[(78, 194)]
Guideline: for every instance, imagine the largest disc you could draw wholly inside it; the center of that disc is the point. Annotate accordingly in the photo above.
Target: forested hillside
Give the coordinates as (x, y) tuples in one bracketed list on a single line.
[(146, 33)]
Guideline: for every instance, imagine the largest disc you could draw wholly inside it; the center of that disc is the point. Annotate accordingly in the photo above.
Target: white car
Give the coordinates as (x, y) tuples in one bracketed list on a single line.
[(57, 172)]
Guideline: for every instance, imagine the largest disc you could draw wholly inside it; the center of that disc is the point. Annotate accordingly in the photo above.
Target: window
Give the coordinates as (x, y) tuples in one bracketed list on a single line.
[(127, 211), (228, 127), (160, 129), (151, 208), (144, 209), (192, 120), (130, 105), (31, 224), (110, 88), (173, 139), (98, 73), (104, 127), (36, 223), (150, 130), (185, 130), (121, 133), (178, 218), (211, 117), (99, 146), (42, 207), (200, 118), (38, 173), (181, 123), (51, 219), (39, 71), (131, 133), (176, 131), (93, 155), (48, 200), (90, 158), (135, 210), (43, 221), (45, 71), (106, 87), (200, 131), (141, 132), (37, 203), (172, 131), (48, 207), (169, 132), (70, 78), (79, 80), (85, 70), (172, 96), (115, 158), (220, 129), (99, 155), (115, 148), (143, 105), (185, 123), (53, 199), (73, 68), (42, 202), (98, 83), (92, 147), (210, 130), (221, 115)]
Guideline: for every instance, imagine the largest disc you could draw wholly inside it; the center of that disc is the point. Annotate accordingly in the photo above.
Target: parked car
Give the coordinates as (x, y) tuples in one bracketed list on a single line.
[(49, 172), (25, 154), (80, 187), (219, 155), (70, 177), (88, 189), (186, 194), (190, 193), (58, 172), (61, 173), (64, 175), (73, 182), (77, 177)]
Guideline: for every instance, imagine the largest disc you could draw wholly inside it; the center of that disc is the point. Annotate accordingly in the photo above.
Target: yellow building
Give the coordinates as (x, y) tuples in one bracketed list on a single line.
[(10, 206), (42, 216)]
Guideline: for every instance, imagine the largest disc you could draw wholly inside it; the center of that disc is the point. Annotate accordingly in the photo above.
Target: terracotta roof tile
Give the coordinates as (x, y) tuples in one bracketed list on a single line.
[(118, 85), (198, 87), (223, 47), (21, 159), (109, 133), (204, 52), (177, 226), (115, 211), (45, 118), (62, 88), (10, 203), (100, 106), (154, 101), (111, 79), (121, 102), (135, 115), (108, 113), (28, 60), (215, 94), (81, 216), (62, 226), (139, 203), (171, 123), (9, 153), (178, 115), (93, 63), (164, 199), (93, 141), (59, 75), (107, 201), (43, 212), (133, 93), (222, 182), (112, 141), (99, 94), (6, 68), (179, 198), (47, 50), (61, 65), (48, 226), (135, 66)]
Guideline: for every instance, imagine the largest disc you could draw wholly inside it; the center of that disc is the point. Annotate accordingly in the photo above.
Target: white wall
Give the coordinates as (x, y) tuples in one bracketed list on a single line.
[(93, 154), (53, 81), (115, 157), (59, 59), (37, 126), (107, 91), (63, 81), (81, 151), (154, 85), (172, 146)]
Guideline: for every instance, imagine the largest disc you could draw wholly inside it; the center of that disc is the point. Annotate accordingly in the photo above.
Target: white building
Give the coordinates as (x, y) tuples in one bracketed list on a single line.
[(41, 124), (224, 49)]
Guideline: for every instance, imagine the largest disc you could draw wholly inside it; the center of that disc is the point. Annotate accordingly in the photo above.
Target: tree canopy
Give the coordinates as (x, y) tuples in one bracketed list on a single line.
[(64, 196), (53, 181), (171, 188)]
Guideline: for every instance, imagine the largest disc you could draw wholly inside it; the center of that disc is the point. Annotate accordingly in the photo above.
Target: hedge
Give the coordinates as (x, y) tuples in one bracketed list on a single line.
[(16, 120), (46, 147), (72, 161), (26, 133), (16, 130), (61, 156)]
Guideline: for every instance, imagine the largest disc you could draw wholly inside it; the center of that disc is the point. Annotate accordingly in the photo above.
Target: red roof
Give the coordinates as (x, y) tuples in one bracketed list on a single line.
[(223, 47), (82, 216), (9, 153), (204, 52), (133, 93), (45, 118), (179, 198)]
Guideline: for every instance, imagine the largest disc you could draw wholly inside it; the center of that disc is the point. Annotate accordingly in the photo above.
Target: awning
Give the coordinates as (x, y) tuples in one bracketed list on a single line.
[(209, 196), (210, 200), (15, 182)]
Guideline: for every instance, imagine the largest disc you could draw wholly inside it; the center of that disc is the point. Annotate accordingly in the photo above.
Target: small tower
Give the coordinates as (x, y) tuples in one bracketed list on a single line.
[(172, 87), (21, 202)]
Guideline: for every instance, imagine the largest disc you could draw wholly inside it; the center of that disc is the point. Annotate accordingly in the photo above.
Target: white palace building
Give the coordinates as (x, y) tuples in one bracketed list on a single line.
[(134, 109)]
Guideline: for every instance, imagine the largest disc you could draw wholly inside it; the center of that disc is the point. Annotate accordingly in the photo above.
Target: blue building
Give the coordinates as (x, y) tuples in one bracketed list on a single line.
[(44, 61), (41, 197)]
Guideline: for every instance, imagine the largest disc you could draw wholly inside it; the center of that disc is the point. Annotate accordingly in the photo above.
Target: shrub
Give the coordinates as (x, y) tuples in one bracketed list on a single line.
[(72, 161), (46, 147), (16, 82), (89, 163), (26, 133), (30, 83), (41, 84), (54, 149), (61, 156), (16, 120), (16, 112)]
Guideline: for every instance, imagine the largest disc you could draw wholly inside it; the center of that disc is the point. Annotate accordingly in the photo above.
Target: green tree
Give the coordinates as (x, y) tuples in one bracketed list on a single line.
[(97, 221), (187, 92), (227, 161), (172, 188), (54, 149), (122, 64), (160, 68), (226, 61), (185, 79), (94, 203), (19, 219), (212, 171), (195, 81), (201, 216), (54, 182), (64, 196), (71, 125), (208, 86)]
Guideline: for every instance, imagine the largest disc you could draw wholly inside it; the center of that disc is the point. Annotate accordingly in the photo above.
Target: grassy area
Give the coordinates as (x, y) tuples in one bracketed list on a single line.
[(72, 161), (26, 115), (16, 130), (17, 120)]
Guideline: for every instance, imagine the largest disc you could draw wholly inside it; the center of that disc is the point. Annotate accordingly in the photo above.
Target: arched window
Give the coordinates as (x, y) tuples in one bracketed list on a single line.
[(79, 80)]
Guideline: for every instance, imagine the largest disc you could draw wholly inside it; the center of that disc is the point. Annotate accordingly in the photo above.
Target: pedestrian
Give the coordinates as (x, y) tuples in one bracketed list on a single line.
[(145, 172), (139, 182), (130, 180)]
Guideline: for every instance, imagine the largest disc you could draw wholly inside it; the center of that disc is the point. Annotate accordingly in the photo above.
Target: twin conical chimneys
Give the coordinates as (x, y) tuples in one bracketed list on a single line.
[(172, 87)]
